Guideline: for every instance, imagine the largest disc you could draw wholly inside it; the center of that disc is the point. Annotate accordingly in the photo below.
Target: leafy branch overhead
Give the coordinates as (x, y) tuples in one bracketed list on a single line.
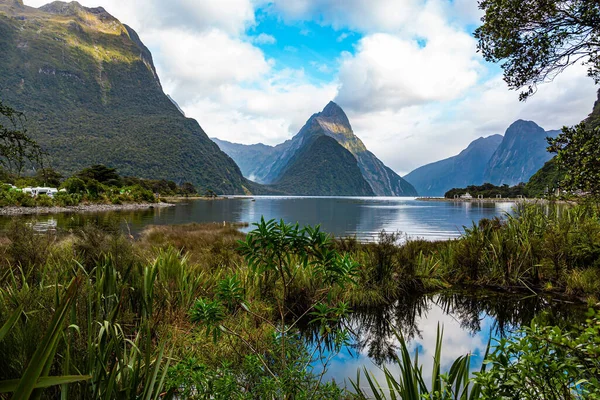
[(535, 40)]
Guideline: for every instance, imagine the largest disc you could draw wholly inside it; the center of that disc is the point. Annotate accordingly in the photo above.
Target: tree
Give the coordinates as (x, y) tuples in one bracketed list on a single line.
[(16, 147), (188, 189), (537, 39), (578, 152), (49, 176), (102, 174)]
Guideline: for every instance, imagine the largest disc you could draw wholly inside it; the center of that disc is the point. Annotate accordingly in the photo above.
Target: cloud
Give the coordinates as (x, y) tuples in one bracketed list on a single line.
[(264, 38), (324, 68), (195, 64), (390, 72), (231, 16), (269, 112), (343, 36)]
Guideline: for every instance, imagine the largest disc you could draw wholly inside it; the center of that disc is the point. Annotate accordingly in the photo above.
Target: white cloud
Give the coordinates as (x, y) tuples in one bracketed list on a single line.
[(231, 16), (195, 64), (390, 72), (269, 112), (264, 38), (343, 36)]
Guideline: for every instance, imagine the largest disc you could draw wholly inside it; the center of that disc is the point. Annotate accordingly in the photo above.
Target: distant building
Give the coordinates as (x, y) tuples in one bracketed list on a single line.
[(466, 196)]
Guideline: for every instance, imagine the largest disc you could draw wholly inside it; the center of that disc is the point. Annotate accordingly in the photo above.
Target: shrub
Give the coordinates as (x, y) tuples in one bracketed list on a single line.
[(43, 201), (74, 185)]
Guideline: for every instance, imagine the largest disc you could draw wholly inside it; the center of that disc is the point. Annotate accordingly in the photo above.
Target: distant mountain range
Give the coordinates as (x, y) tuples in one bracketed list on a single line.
[(509, 159), (290, 166), (91, 95)]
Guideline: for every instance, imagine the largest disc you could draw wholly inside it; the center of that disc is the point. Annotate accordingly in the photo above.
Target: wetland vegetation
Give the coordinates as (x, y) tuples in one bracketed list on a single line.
[(205, 311)]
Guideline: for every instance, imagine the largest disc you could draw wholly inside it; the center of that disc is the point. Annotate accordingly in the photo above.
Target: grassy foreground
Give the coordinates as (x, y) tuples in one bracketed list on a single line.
[(203, 311)]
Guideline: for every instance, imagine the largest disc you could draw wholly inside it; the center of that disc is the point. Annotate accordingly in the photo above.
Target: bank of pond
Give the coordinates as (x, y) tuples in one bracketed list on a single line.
[(205, 311)]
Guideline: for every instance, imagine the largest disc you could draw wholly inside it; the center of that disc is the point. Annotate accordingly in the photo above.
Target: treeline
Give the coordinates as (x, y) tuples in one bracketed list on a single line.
[(95, 184), (487, 190)]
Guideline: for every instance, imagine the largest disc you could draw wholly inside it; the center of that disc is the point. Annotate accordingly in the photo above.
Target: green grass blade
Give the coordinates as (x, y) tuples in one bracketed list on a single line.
[(10, 386), (12, 320), (46, 348)]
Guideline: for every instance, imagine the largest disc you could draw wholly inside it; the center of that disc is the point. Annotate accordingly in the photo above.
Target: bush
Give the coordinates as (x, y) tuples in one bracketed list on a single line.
[(63, 199), (43, 201), (74, 185)]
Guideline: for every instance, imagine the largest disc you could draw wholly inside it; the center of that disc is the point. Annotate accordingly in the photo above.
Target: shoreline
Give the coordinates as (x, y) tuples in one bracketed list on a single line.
[(82, 208), (485, 200)]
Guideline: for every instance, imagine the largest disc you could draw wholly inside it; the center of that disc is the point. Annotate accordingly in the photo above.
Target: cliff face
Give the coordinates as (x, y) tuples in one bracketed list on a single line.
[(520, 155), (91, 94)]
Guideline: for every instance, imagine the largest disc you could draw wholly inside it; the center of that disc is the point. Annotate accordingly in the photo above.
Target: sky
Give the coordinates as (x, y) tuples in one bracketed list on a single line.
[(406, 72)]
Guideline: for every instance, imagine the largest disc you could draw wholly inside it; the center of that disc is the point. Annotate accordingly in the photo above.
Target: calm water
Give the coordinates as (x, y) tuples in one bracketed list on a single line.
[(363, 217), (468, 319)]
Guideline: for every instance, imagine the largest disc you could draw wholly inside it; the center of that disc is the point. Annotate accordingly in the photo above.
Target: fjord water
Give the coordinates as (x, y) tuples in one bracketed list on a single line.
[(363, 217)]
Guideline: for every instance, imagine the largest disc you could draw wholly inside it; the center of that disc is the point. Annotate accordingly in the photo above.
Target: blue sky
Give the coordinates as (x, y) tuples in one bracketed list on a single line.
[(406, 72), (308, 45)]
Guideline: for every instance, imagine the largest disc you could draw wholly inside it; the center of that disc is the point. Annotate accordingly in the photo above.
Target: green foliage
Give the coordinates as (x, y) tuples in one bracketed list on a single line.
[(74, 185), (578, 154), (546, 363), (546, 180), (48, 177), (100, 173), (195, 380), (536, 40), (278, 255), (487, 190)]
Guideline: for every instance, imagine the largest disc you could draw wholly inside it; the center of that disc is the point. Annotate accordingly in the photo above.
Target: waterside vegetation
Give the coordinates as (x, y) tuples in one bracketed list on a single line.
[(204, 311), (97, 184)]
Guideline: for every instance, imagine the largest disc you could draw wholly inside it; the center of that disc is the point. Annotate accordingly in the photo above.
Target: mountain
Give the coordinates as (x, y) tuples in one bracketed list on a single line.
[(466, 168), (331, 122), (520, 155), (253, 159), (91, 94), (322, 168)]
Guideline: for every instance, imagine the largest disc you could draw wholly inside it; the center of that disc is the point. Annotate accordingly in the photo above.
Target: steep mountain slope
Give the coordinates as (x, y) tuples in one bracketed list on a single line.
[(332, 122), (520, 155), (89, 89), (466, 168), (253, 160), (323, 168)]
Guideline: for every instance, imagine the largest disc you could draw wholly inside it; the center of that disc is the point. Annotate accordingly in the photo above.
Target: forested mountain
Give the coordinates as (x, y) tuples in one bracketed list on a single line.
[(332, 122), (466, 168), (91, 95), (322, 168)]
